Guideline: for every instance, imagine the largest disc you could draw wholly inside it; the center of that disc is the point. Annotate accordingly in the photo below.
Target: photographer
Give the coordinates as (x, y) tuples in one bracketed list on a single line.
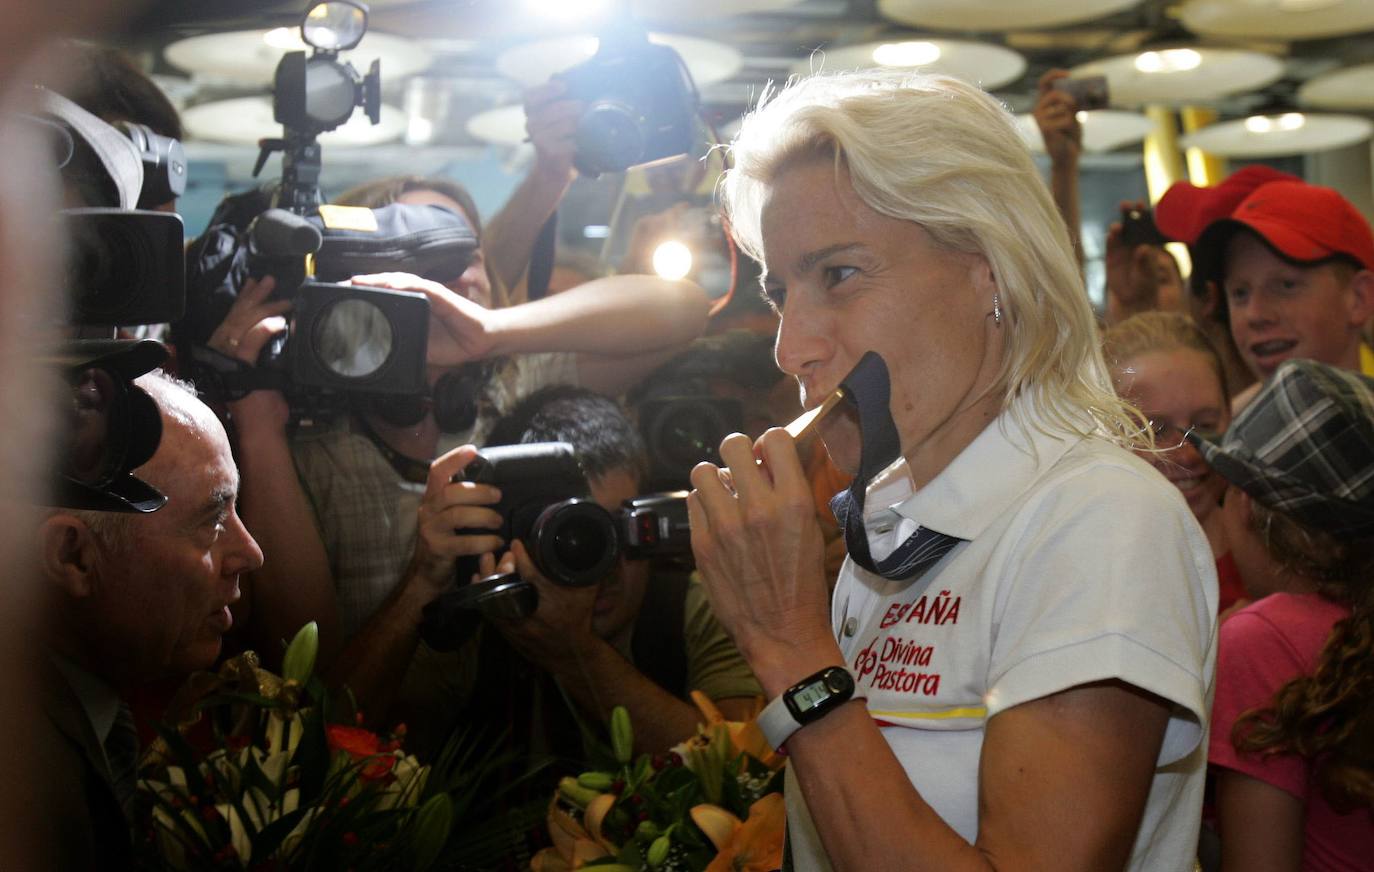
[(358, 474), (643, 637)]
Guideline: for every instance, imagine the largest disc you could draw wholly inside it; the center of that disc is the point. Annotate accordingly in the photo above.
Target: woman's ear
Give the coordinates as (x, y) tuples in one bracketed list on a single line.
[(69, 555)]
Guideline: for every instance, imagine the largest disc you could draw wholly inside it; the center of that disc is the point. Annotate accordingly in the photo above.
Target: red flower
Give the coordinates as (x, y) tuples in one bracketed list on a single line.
[(361, 745)]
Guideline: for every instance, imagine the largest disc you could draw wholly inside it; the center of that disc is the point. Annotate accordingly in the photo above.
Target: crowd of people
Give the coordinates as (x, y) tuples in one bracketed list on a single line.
[(1108, 599)]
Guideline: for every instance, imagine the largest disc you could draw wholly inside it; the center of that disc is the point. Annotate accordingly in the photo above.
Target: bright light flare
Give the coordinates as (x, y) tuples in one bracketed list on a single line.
[(906, 54), (672, 260), (566, 10)]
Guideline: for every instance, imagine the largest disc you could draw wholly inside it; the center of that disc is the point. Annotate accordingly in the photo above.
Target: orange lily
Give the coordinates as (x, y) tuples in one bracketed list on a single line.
[(745, 736), (757, 843)]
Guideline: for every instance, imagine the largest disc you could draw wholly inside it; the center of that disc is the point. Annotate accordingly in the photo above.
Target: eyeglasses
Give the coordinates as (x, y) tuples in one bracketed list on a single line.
[(1168, 437)]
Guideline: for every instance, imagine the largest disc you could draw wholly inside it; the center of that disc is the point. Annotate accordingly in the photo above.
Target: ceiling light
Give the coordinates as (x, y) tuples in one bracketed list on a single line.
[(1285, 134), (286, 39), (906, 54), (987, 65), (1170, 60), (1196, 74)]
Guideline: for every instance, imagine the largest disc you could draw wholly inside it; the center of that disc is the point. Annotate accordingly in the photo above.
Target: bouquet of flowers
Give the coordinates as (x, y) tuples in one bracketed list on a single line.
[(712, 803), (284, 786)]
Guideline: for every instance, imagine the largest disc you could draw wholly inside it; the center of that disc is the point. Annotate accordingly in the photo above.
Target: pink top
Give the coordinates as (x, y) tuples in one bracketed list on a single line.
[(1261, 648)]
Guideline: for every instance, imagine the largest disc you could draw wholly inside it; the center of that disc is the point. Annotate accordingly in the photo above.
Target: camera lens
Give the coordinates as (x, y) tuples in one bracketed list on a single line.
[(610, 136), (353, 339), (688, 433), (574, 542)]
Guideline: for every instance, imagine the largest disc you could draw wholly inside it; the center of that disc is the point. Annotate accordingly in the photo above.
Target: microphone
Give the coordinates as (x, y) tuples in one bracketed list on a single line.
[(279, 233)]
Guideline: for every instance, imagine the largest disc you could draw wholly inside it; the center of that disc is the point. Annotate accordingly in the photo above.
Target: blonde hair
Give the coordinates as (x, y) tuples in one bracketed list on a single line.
[(1161, 331), (943, 154)]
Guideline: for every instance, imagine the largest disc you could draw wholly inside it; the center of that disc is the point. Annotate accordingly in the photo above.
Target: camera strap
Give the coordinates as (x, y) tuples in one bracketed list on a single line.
[(408, 468), (233, 378)]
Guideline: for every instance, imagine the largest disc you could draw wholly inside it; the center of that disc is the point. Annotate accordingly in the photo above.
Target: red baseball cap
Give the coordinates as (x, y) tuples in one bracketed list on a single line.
[(1187, 209), (1300, 222)]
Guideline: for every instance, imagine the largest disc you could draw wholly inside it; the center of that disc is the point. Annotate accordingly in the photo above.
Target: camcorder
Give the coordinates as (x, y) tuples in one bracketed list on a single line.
[(347, 347), (642, 105), (124, 267), (546, 504)]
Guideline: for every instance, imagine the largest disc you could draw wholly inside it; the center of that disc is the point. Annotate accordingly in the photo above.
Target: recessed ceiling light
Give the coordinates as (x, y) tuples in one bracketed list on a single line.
[(906, 54), (987, 65), (285, 38), (1170, 60), (1273, 135)]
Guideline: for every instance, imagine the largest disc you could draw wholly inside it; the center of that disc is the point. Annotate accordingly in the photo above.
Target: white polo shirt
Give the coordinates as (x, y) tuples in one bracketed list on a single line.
[(1081, 564)]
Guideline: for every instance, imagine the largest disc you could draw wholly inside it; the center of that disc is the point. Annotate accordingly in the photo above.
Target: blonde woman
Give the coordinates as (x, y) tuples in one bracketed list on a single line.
[(1015, 669)]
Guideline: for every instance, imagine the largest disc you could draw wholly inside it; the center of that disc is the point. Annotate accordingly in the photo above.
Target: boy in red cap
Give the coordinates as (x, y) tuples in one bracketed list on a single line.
[(1296, 265)]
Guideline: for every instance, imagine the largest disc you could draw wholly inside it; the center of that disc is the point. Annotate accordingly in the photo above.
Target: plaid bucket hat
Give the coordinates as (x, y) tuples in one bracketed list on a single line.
[(1304, 447)]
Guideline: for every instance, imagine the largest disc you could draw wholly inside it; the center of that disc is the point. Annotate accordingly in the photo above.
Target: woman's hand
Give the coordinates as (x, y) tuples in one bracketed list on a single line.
[(459, 329), (760, 552), (250, 323), (1056, 114)]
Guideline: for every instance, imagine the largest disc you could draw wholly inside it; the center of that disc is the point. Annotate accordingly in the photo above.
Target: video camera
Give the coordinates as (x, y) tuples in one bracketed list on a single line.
[(546, 504), (347, 346), (642, 105), (123, 267)]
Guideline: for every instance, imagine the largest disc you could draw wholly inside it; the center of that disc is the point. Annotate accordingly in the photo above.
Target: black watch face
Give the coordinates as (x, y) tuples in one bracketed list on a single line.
[(819, 693)]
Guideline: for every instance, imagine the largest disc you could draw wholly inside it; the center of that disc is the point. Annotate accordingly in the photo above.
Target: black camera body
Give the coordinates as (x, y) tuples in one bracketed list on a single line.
[(546, 504), (355, 339), (572, 539), (1138, 228), (642, 106), (124, 266)]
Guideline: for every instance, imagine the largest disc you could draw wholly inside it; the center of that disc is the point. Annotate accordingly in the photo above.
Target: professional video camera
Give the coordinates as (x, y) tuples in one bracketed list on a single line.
[(124, 268), (642, 105), (546, 504), (347, 346)]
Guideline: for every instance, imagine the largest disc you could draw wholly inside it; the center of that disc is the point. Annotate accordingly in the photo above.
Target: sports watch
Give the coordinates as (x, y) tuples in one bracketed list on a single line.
[(804, 702)]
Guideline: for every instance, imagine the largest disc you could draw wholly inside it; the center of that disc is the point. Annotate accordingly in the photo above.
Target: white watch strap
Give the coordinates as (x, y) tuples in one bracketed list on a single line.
[(777, 723)]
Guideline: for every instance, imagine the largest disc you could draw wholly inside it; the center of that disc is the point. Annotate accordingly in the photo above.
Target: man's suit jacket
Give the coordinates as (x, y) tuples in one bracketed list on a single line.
[(86, 828)]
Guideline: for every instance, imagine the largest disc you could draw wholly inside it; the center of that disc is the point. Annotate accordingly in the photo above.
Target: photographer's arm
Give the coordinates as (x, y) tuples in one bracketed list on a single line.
[(551, 123), (1056, 116), (294, 585), (621, 327), (559, 638), (375, 660)]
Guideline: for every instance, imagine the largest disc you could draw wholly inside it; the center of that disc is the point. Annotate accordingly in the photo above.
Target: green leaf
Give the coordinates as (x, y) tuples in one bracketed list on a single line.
[(270, 839), (429, 829), (299, 663), (622, 735)]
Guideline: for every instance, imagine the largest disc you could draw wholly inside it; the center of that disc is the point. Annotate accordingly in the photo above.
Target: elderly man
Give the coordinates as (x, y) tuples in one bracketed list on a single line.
[(132, 598)]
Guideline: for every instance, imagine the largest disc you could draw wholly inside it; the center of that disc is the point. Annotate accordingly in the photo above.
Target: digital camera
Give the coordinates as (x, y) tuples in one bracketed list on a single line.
[(642, 105)]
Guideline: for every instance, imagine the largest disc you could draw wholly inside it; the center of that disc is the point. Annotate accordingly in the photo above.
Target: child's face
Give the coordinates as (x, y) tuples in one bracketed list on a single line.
[(1280, 311), (1178, 390)]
